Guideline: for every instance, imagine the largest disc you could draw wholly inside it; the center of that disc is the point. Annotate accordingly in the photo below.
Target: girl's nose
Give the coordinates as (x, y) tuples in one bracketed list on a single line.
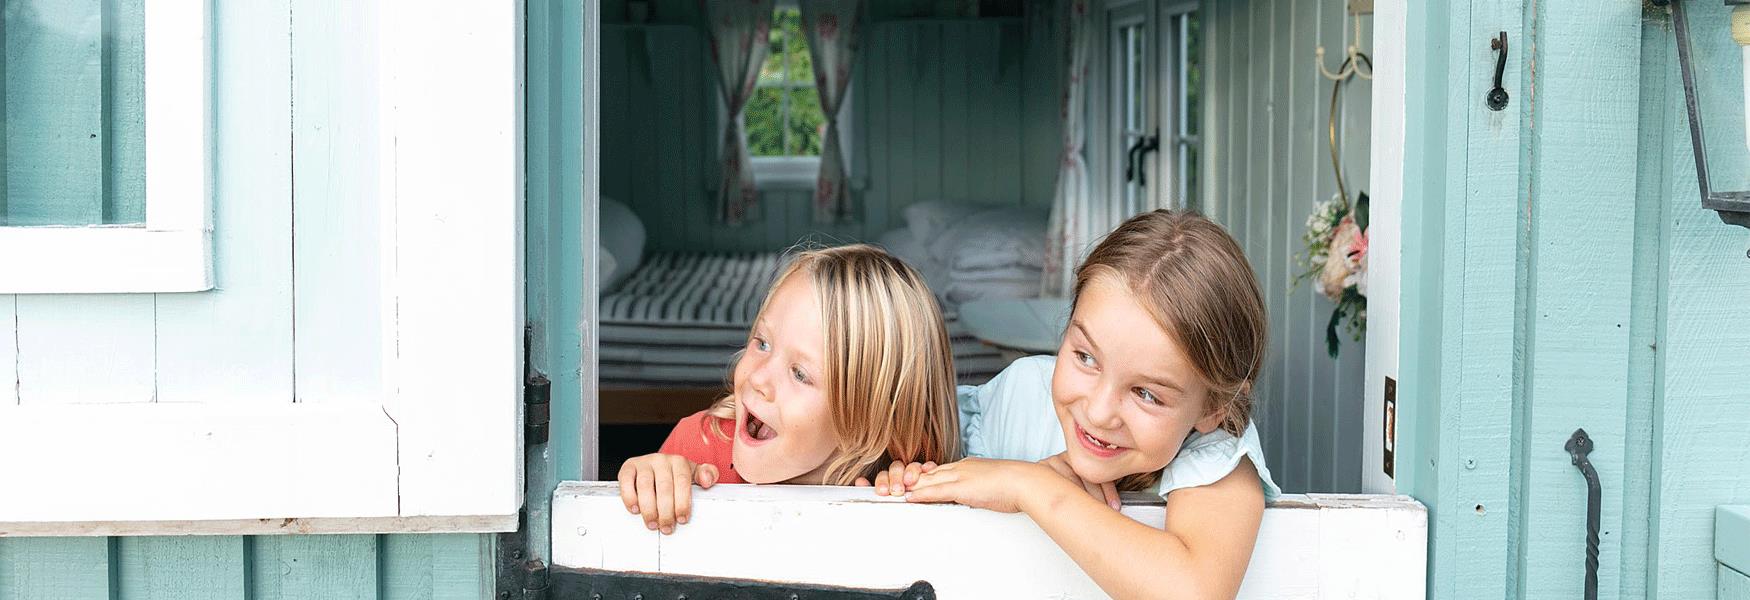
[(1103, 409)]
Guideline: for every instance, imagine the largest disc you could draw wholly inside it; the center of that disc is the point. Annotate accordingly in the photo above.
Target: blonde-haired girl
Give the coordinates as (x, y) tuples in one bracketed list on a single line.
[(847, 368), (1150, 390)]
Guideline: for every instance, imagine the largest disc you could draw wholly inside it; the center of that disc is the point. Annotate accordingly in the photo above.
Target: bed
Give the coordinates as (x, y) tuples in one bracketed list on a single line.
[(677, 320)]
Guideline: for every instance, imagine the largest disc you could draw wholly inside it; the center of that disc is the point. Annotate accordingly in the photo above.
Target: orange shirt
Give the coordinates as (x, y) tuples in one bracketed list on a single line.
[(696, 441)]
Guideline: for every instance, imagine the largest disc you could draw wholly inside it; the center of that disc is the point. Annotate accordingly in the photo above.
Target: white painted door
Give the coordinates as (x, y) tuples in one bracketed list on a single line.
[(354, 361), (1149, 105)]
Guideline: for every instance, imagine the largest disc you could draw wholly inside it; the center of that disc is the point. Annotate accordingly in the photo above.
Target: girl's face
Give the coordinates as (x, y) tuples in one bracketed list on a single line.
[(783, 426), (1127, 396)]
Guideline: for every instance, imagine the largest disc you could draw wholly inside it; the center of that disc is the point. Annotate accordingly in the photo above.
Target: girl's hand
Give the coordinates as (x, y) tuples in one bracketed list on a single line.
[(997, 485), (1104, 492), (898, 477), (659, 488)]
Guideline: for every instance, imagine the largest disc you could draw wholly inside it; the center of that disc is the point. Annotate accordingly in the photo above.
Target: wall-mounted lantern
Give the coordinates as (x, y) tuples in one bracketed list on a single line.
[(1734, 207)]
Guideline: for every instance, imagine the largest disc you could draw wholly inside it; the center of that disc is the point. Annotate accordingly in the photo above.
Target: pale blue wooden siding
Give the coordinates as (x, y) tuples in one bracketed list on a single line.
[(295, 134), (1266, 162), (386, 567), (963, 110), (72, 116), (1560, 273)]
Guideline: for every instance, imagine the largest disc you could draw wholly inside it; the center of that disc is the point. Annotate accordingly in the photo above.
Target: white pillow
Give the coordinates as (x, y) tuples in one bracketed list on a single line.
[(622, 239), (927, 220), (993, 239)]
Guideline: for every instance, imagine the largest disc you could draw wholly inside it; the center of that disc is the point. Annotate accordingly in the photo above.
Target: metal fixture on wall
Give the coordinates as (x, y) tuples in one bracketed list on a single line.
[(1734, 207), (1579, 445)]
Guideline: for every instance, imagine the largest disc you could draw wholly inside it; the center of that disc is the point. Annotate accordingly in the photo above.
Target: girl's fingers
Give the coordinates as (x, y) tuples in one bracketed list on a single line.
[(929, 466), (629, 487), (895, 478), (683, 490), (942, 492), (707, 476), (912, 471), (861, 482), (1111, 492), (664, 478), (646, 482)]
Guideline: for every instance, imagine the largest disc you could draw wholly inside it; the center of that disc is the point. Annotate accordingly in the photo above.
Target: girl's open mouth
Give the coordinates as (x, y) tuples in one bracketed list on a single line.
[(1096, 446), (755, 431)]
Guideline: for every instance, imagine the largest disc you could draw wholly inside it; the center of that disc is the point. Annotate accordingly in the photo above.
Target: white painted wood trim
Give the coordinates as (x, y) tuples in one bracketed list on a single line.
[(452, 101), (95, 260), (62, 464), (173, 252), (1315, 546), (1385, 236), (281, 526)]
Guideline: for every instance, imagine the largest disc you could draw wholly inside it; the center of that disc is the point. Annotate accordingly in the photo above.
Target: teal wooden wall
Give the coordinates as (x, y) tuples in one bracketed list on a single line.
[(1560, 273), (963, 110), (72, 116), (424, 567), (1266, 162), (292, 154)]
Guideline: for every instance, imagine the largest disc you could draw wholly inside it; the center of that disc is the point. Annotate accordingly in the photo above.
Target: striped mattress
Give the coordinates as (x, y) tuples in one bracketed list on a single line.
[(679, 318)]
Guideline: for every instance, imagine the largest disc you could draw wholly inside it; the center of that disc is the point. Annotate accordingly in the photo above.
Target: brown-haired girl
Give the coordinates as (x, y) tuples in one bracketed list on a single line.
[(847, 368), (1150, 390)]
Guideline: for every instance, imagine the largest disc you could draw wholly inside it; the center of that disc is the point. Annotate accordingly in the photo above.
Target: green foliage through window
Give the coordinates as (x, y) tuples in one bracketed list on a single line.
[(784, 117)]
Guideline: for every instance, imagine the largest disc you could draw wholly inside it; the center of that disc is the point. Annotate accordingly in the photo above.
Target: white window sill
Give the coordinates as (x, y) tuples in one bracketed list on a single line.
[(786, 174)]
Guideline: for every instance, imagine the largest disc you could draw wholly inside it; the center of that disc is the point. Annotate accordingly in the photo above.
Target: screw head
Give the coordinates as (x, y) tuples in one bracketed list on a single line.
[(504, 595)]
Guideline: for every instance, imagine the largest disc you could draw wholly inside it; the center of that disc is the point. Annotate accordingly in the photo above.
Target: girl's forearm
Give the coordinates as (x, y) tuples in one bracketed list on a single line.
[(1125, 558)]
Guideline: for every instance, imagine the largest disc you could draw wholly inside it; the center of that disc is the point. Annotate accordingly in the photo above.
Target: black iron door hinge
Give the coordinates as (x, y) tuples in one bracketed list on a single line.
[(517, 573), (596, 584), (537, 394)]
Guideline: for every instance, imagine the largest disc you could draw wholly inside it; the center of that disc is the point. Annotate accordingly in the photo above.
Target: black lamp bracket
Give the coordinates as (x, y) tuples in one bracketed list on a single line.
[(1734, 207)]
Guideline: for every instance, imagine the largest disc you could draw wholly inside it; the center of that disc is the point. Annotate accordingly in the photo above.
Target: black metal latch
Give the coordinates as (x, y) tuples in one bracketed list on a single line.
[(1579, 445), (596, 584)]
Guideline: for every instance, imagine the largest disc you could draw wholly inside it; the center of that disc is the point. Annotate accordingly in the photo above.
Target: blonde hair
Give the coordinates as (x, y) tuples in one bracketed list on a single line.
[(889, 368), (1193, 278)]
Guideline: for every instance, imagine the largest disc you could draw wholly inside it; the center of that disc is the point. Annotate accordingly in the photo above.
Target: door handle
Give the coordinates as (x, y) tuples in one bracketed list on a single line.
[(1139, 151)]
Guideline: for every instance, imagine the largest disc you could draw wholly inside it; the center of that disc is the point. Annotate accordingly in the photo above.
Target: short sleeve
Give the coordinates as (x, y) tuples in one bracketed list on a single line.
[(1011, 417), (1207, 457), (694, 440)]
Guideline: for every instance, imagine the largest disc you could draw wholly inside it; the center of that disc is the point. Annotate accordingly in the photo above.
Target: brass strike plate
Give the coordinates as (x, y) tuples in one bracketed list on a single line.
[(1390, 430), (1361, 7)]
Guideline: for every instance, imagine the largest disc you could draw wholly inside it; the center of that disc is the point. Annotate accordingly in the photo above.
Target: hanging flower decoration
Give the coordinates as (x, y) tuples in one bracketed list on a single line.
[(1334, 256)]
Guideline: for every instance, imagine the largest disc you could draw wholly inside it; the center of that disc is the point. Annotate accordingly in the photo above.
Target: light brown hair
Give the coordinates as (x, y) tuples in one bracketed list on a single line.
[(889, 368), (1193, 278)]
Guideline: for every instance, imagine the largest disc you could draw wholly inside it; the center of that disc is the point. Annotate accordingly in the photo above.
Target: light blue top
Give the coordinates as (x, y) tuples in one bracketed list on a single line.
[(1012, 417)]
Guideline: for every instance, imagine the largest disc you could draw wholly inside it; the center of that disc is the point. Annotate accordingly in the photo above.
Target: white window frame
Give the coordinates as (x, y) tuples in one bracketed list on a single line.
[(800, 172), (173, 250), (440, 448)]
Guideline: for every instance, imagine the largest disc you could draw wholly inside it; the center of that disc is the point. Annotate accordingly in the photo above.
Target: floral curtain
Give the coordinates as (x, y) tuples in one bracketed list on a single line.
[(739, 36), (1073, 223), (832, 30)]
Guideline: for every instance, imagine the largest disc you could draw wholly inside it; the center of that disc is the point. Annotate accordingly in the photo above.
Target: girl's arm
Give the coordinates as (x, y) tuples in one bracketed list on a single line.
[(1202, 552)]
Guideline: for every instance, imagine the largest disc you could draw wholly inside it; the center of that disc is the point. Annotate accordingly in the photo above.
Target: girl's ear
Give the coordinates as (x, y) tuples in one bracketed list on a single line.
[(1211, 420), (1217, 415)]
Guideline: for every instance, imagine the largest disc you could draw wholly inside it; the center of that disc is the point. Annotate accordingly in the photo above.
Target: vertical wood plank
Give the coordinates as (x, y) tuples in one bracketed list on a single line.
[(1700, 400), (1488, 203), (124, 112), (1733, 585), (1356, 129), (85, 348), (8, 349), (1577, 335), (1041, 100), (175, 568), (872, 102), (336, 217), (74, 568), (902, 48), (1303, 344), (1639, 480), (54, 111), (926, 112), (699, 110), (234, 343), (663, 126), (958, 100), (450, 566), (1002, 113), (288, 567)]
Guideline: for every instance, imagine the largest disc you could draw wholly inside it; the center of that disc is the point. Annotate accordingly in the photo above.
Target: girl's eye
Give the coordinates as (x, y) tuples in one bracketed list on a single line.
[(1149, 397), (1086, 359), (797, 374), (761, 345)]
